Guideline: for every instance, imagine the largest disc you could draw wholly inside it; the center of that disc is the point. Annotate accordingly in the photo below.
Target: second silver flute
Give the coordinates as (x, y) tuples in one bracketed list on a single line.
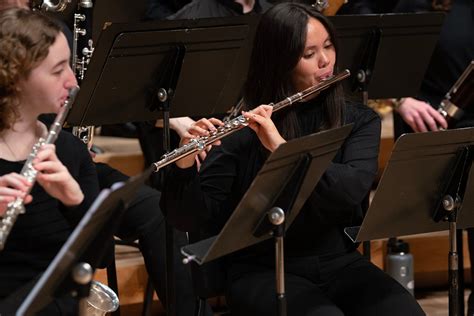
[(17, 207), (237, 123)]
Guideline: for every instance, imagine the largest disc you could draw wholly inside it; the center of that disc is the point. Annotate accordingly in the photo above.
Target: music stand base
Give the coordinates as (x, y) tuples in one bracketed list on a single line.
[(277, 217), (453, 271)]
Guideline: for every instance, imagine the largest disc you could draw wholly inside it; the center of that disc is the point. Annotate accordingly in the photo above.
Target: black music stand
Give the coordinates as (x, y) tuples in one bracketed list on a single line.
[(165, 58), (100, 222), (426, 187), (388, 53), (133, 62), (265, 210)]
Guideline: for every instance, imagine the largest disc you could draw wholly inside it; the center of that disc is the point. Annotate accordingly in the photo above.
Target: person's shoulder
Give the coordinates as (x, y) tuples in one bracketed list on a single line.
[(68, 143), (264, 5), (358, 112), (198, 9), (189, 11)]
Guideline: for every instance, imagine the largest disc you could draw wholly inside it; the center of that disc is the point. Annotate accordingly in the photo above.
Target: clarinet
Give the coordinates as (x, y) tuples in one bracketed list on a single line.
[(233, 125), (459, 97), (82, 38), (17, 207)]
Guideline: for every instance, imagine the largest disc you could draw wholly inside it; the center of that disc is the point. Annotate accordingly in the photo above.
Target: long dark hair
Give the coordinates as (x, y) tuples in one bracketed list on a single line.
[(279, 44)]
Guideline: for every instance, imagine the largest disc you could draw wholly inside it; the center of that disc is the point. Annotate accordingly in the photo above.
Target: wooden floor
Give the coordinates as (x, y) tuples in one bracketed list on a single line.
[(434, 303)]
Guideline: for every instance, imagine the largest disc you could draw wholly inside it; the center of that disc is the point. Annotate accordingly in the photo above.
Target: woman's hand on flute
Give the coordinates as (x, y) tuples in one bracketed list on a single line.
[(203, 127), (13, 186), (261, 122), (55, 178)]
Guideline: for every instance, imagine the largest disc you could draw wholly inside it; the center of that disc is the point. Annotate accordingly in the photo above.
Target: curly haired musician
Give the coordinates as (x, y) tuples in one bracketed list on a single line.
[(35, 79)]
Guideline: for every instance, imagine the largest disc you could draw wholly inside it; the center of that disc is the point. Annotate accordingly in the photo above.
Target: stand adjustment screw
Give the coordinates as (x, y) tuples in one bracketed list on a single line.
[(162, 95), (82, 273), (276, 216), (448, 203)]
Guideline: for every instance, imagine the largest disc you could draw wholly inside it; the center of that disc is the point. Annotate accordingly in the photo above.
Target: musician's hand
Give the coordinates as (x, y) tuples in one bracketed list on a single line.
[(55, 178), (201, 128), (421, 116), (181, 124), (260, 121), (12, 186)]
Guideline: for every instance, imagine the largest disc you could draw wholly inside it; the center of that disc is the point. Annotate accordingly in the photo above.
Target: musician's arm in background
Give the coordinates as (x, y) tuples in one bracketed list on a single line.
[(179, 124), (420, 115)]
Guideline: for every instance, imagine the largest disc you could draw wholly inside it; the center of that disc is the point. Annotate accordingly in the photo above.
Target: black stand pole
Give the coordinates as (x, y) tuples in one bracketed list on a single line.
[(447, 210), (368, 58), (274, 222), (82, 275), (453, 266), (362, 80), (164, 95), (276, 216)]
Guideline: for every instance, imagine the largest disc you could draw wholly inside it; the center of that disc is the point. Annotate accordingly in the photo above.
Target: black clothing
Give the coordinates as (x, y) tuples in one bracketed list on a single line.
[(216, 8), (319, 260), (318, 286), (367, 7), (143, 220), (39, 233), (230, 168), (160, 9), (452, 54)]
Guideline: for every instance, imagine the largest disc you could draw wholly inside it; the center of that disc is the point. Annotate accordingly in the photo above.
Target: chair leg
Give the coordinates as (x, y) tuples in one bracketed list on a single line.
[(148, 298), (199, 308), (112, 282)]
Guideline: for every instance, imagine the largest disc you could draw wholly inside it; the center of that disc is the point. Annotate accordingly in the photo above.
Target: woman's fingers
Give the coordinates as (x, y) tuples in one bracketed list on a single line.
[(14, 180), (46, 152)]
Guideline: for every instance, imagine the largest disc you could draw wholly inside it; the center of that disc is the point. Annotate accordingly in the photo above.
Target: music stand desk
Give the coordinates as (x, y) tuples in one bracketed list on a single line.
[(97, 219), (413, 194), (387, 53)]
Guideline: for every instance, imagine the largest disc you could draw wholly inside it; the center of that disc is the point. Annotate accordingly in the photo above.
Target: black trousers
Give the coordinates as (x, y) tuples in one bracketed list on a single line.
[(143, 220), (346, 285)]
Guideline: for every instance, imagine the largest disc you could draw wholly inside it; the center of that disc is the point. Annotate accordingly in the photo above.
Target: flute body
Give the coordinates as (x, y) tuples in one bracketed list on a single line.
[(239, 122)]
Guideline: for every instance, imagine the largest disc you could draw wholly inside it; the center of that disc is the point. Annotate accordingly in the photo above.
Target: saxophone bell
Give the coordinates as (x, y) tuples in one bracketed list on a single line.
[(49, 5), (101, 300)]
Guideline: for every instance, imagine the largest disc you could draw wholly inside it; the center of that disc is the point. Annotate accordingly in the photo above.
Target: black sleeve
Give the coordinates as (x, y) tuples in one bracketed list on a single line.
[(347, 181), (75, 156), (194, 201)]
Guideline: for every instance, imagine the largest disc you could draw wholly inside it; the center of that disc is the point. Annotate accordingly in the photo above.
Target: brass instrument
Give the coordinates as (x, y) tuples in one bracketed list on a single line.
[(17, 207), (328, 7), (233, 125), (48, 5), (101, 300)]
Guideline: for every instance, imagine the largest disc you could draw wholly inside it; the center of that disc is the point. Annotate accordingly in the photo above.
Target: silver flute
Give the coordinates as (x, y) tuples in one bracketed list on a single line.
[(233, 125), (17, 207)]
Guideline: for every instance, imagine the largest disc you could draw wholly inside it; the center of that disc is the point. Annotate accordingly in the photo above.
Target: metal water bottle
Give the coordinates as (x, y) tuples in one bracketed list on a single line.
[(399, 263)]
